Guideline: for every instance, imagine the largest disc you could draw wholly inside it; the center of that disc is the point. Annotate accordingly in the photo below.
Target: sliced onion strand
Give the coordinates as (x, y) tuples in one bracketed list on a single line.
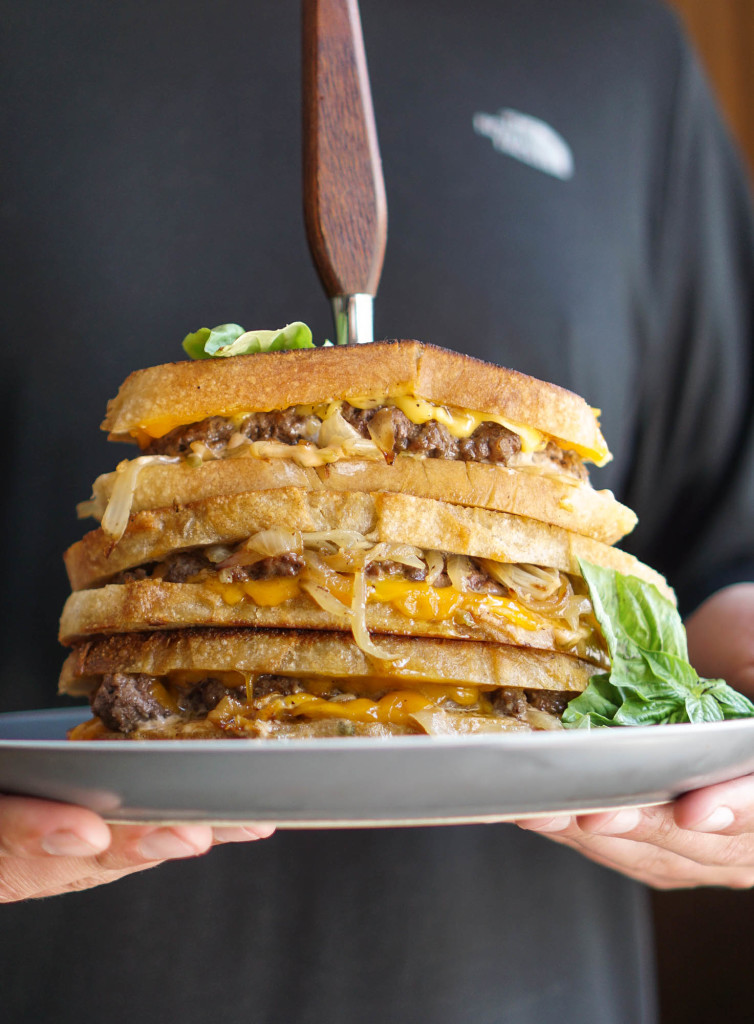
[(115, 519)]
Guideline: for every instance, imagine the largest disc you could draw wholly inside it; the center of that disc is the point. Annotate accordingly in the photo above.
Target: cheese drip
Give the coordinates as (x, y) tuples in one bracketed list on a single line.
[(356, 703), (414, 600), (459, 421), (434, 708)]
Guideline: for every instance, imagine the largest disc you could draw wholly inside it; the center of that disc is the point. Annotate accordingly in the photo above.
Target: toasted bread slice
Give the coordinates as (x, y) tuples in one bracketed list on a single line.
[(319, 654), (560, 501), (148, 604), (382, 516), (158, 399)]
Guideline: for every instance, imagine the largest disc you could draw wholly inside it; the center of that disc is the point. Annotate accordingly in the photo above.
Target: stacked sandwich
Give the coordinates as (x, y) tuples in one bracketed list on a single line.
[(369, 540)]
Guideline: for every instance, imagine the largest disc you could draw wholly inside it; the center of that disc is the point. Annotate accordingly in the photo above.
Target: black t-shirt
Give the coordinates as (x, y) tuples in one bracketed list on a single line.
[(562, 200)]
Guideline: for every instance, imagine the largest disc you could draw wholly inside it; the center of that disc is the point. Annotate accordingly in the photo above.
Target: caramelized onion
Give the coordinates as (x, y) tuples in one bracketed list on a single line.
[(275, 541), (217, 553), (459, 570), (538, 719), (548, 592), (87, 508), (115, 519), (361, 448), (236, 440), (382, 430), (529, 582), (320, 572), (303, 453), (435, 566), (568, 638), (203, 451), (326, 600), (443, 723), (359, 621), (265, 544), (343, 559), (336, 430), (240, 557), (404, 554)]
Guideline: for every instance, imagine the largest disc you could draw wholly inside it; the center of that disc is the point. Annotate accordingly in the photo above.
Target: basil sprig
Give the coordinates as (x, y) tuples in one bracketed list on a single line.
[(233, 340), (651, 681)]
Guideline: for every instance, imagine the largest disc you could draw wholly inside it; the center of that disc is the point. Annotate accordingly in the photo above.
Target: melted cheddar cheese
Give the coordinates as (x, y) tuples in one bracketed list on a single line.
[(393, 708), (432, 604), (416, 600), (265, 593), (460, 422)]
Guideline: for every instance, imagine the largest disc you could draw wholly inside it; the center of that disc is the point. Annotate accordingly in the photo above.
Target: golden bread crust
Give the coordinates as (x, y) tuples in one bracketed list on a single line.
[(149, 604), (321, 654), (186, 392), (557, 500), (224, 519), (389, 517), (501, 537)]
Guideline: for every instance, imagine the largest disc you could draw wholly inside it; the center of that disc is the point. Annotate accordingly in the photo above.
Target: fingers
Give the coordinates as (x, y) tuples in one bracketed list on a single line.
[(649, 865), (656, 827), (653, 865), (713, 826), (48, 848), (31, 828), (727, 808), (142, 845), (698, 825), (649, 845), (241, 833)]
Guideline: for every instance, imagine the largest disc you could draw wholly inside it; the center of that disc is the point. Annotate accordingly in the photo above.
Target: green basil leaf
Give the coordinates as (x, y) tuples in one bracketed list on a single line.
[(646, 712), (703, 708), (674, 674), (733, 703), (651, 681), (295, 335), (597, 704), (231, 340), (650, 620), (651, 689), (194, 343), (222, 337), (677, 717), (588, 720), (205, 342), (585, 722), (633, 614)]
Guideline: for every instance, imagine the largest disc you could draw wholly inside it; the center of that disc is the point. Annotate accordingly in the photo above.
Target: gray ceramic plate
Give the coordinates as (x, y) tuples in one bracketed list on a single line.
[(359, 782)]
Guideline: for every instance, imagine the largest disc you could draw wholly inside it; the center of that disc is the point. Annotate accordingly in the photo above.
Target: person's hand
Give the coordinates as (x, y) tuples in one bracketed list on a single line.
[(48, 848), (721, 637), (705, 837)]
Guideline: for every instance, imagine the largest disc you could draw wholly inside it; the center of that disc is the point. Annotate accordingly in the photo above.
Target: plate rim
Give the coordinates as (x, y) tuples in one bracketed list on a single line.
[(554, 738), (77, 764)]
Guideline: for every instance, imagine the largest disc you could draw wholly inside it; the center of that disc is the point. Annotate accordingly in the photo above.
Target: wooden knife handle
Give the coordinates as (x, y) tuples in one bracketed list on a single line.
[(345, 208)]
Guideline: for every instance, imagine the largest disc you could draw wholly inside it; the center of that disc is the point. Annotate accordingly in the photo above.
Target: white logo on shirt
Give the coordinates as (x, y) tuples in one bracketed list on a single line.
[(528, 139)]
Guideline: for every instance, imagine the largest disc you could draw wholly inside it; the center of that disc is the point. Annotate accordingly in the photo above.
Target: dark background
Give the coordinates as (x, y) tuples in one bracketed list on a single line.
[(706, 933), (164, 253)]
